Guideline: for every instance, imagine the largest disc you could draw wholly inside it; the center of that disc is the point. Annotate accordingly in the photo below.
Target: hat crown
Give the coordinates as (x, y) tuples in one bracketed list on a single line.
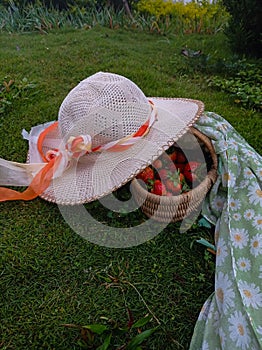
[(105, 106)]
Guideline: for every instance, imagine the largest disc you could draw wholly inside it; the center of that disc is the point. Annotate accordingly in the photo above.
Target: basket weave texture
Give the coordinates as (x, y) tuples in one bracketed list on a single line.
[(177, 208)]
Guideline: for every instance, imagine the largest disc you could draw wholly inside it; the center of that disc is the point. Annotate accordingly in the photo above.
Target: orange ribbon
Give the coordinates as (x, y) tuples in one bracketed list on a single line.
[(39, 184), (52, 160)]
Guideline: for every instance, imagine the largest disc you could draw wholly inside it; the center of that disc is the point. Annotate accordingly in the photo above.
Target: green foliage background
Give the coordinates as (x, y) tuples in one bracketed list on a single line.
[(245, 26)]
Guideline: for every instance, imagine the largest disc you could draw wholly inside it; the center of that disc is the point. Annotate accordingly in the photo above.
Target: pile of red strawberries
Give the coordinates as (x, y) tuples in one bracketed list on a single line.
[(172, 174)]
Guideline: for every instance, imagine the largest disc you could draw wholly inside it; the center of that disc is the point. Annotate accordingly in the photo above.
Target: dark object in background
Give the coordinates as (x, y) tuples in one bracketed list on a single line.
[(191, 53)]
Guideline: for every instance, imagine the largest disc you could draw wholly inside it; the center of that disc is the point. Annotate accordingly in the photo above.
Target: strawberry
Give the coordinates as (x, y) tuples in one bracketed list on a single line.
[(180, 167), (180, 157), (181, 178), (162, 174), (175, 182), (193, 171), (146, 175), (173, 156), (159, 188), (172, 167), (157, 164), (169, 194), (171, 186)]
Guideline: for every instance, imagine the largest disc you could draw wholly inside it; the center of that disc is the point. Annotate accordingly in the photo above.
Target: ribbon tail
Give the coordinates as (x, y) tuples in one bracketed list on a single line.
[(41, 181), (17, 174)]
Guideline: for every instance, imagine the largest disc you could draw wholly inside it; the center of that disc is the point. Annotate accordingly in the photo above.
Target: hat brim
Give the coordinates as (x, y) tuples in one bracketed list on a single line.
[(98, 174)]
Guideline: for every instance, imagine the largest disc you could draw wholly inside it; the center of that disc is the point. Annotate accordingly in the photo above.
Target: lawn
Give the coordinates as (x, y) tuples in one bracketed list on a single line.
[(50, 276)]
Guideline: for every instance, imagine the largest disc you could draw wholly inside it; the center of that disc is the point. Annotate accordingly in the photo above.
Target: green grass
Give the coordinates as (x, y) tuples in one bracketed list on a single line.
[(50, 276)]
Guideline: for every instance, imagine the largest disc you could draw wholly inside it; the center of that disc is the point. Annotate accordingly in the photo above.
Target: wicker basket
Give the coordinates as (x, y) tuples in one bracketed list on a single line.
[(176, 208)]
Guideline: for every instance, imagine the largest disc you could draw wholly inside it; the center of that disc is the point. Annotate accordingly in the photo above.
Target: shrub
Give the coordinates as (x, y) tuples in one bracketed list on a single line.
[(241, 79), (36, 17), (178, 18), (245, 86), (245, 26), (192, 17)]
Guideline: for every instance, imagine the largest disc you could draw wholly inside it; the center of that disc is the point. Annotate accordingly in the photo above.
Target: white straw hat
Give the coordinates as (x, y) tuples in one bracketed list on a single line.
[(107, 132)]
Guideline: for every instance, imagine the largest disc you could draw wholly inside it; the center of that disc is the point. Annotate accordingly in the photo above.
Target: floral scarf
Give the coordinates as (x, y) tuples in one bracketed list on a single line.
[(231, 318)]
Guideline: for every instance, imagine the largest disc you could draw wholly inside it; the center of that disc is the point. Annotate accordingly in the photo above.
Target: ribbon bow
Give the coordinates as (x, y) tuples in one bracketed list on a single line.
[(38, 176)]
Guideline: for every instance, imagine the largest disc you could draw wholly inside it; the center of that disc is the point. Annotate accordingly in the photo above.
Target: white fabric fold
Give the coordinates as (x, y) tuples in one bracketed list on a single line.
[(21, 174), (18, 174)]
